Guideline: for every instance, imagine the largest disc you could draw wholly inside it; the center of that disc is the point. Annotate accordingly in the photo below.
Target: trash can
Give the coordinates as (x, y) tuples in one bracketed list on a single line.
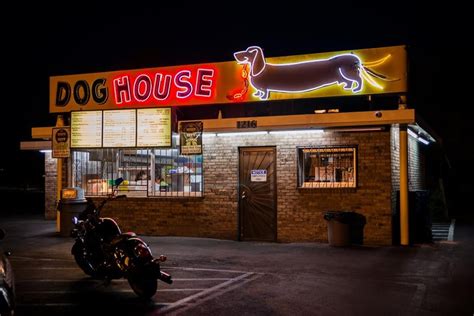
[(345, 228), (72, 203), (338, 229)]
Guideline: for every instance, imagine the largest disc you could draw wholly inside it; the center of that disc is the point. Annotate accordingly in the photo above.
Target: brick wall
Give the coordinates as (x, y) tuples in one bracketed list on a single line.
[(299, 211), (416, 162), (50, 186), (50, 176)]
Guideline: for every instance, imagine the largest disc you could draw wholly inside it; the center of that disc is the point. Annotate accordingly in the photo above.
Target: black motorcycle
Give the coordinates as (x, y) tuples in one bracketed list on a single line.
[(102, 251)]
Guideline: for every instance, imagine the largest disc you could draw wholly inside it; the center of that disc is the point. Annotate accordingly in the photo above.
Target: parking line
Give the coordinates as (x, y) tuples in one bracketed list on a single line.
[(218, 289)]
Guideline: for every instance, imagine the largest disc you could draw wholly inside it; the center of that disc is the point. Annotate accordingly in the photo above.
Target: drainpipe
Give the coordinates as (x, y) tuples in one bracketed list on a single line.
[(59, 179), (404, 211)]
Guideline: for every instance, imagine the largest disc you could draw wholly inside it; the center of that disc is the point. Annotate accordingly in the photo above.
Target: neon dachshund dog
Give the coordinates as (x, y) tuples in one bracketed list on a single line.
[(343, 69)]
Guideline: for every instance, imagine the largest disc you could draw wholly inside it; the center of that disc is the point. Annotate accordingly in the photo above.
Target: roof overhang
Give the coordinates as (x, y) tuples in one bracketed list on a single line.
[(316, 121), (36, 145)]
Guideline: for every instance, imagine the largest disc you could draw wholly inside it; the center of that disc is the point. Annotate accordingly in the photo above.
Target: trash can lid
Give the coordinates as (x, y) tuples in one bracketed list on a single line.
[(73, 195)]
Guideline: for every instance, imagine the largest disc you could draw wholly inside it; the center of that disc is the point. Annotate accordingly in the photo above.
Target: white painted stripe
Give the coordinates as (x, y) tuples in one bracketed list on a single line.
[(203, 269), (112, 290), (66, 280), (217, 293), (47, 268), (178, 290), (78, 304), (206, 292), (115, 280), (39, 259), (202, 279), (451, 230)]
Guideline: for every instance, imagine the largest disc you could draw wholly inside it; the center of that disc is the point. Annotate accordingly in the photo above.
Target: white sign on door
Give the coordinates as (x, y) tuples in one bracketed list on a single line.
[(258, 175)]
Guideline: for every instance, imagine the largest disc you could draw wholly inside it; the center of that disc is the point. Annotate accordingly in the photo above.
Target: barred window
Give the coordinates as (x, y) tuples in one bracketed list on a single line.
[(327, 167), (146, 172)]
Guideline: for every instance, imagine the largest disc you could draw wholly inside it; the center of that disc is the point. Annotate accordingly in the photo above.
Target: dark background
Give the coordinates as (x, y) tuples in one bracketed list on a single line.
[(38, 42)]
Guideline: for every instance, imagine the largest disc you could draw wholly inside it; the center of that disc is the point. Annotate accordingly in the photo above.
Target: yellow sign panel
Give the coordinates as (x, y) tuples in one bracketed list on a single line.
[(250, 77), (86, 129), (61, 142), (149, 127), (154, 127)]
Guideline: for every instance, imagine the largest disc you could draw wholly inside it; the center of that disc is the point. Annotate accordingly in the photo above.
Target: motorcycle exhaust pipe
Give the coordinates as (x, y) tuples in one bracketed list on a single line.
[(165, 277)]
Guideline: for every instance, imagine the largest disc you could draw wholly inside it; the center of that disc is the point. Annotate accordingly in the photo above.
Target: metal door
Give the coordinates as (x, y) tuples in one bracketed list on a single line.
[(257, 193)]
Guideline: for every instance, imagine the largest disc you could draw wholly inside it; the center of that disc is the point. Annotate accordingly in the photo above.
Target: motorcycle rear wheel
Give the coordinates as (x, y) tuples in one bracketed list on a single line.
[(144, 286)]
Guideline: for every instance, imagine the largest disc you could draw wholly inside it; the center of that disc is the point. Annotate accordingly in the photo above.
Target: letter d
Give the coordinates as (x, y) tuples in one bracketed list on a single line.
[(63, 93)]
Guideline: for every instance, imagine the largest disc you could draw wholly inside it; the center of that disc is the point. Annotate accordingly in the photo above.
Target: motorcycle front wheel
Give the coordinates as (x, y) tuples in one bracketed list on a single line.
[(80, 256), (144, 286)]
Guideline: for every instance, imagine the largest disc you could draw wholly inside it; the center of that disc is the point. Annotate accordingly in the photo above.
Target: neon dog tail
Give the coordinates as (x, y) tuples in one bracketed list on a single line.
[(368, 74)]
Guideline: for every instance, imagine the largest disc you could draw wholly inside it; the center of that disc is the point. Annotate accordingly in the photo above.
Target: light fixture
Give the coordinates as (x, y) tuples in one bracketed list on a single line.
[(44, 151), (301, 131), (422, 140), (412, 133), (243, 133), (356, 129), (419, 138)]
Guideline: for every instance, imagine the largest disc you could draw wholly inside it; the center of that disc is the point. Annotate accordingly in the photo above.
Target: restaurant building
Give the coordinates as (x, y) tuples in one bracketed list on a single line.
[(251, 149)]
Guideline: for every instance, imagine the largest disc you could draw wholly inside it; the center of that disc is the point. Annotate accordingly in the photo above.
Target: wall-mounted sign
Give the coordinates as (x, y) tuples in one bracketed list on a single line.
[(61, 142), (251, 76), (247, 124), (86, 129), (120, 128), (154, 127), (190, 138), (258, 175)]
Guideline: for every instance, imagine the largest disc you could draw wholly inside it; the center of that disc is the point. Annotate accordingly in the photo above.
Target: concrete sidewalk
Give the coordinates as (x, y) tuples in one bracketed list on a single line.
[(302, 278)]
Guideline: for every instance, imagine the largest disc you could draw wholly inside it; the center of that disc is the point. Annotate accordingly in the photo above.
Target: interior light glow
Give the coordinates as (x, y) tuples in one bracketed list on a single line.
[(209, 134), (303, 131), (44, 151), (243, 133)]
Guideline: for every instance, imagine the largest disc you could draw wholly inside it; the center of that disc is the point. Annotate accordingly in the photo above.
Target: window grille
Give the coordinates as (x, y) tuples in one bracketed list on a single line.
[(327, 167), (146, 172)]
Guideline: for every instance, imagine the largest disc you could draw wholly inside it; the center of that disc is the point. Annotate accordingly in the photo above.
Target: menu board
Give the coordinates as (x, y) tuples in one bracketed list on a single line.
[(154, 127), (120, 128), (86, 129)]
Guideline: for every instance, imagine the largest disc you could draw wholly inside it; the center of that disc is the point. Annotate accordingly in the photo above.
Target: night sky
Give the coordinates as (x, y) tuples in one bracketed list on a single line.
[(41, 42)]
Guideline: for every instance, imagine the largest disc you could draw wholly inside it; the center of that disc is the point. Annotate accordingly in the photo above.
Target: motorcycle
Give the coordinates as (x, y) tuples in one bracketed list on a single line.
[(7, 282), (102, 251)]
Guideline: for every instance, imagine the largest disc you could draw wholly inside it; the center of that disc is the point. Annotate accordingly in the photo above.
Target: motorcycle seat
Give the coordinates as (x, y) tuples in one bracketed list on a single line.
[(122, 236), (128, 234)]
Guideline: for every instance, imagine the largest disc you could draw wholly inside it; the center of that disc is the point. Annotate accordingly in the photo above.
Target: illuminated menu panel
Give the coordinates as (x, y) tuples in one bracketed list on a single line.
[(120, 128), (86, 129), (154, 127)]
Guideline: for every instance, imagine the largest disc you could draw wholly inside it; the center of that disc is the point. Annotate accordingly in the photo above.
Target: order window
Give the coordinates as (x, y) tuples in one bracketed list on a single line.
[(146, 172), (327, 167)]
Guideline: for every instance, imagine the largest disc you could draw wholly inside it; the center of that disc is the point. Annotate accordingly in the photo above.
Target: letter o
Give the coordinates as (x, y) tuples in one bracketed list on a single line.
[(86, 93)]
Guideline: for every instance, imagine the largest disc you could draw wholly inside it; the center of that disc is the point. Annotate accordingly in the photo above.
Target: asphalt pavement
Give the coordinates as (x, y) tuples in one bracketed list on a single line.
[(223, 277)]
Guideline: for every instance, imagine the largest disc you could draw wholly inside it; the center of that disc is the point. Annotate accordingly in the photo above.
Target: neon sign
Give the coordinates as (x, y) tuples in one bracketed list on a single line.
[(344, 69), (184, 84), (249, 77)]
